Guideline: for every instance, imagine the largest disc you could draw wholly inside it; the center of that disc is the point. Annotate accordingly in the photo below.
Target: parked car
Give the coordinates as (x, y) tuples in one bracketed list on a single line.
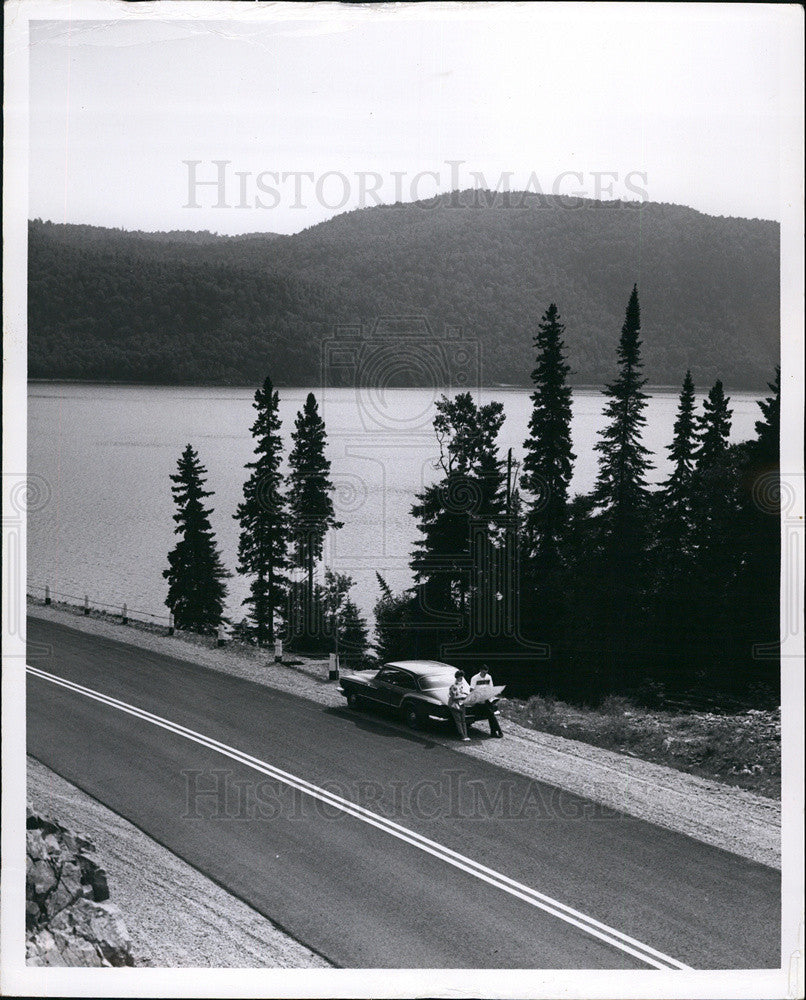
[(414, 690)]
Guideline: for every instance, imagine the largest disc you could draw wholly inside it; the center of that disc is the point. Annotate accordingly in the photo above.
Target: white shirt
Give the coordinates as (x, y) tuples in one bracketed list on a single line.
[(478, 679)]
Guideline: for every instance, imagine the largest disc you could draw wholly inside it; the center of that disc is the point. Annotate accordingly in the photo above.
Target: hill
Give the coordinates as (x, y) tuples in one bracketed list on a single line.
[(196, 307)]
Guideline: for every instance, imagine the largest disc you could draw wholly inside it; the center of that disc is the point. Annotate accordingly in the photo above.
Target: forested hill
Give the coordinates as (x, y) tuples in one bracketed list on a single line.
[(196, 307)]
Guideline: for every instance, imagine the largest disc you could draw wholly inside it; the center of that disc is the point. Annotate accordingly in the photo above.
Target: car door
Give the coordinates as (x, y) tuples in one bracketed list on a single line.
[(402, 683), (386, 687)]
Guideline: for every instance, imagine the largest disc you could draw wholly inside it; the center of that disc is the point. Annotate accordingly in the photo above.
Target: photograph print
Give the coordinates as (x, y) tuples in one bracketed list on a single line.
[(403, 498)]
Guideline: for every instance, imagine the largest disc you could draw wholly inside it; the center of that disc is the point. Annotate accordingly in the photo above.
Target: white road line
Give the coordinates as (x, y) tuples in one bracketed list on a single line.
[(589, 925)]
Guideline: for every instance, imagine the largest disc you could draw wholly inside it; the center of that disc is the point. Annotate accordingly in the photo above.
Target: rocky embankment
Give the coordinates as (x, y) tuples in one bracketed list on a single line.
[(68, 917)]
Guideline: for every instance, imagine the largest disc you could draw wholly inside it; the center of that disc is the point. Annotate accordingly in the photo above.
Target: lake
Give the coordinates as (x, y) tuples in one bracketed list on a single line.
[(104, 454)]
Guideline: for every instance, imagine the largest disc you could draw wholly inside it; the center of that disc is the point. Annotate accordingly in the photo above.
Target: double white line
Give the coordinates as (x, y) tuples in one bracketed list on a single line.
[(611, 936)]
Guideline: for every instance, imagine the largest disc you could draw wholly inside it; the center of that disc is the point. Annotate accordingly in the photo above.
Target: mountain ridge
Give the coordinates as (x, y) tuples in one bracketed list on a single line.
[(198, 307)]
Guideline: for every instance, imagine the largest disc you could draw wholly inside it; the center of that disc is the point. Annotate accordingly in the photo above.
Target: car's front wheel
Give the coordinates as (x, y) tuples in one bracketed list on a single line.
[(412, 716), (354, 701)]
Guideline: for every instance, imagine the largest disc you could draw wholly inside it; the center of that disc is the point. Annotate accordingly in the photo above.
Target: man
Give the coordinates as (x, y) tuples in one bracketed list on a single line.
[(457, 693), (481, 680)]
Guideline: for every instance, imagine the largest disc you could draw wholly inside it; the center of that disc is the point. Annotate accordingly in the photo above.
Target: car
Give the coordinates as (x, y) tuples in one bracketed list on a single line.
[(414, 690)]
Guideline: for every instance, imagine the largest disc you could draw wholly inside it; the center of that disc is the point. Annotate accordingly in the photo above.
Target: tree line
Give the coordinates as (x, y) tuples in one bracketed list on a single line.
[(657, 593)]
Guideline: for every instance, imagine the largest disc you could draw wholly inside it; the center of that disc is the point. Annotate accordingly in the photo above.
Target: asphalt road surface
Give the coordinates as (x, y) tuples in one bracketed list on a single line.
[(377, 847)]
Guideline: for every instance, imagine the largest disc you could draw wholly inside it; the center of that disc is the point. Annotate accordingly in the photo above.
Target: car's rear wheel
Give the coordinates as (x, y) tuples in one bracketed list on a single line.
[(412, 716), (355, 701)]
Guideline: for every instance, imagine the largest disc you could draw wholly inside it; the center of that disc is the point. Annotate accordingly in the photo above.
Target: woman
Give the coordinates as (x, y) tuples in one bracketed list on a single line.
[(457, 693)]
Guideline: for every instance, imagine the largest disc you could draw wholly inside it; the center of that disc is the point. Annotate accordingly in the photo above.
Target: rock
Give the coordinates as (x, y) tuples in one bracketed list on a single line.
[(35, 845), (67, 891), (42, 878), (100, 888), (32, 915), (100, 924)]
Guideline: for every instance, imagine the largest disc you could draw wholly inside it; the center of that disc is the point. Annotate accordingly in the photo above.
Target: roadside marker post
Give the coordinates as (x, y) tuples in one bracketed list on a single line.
[(170, 624), (47, 594), (334, 667), (222, 636), (278, 650), (87, 605), (125, 615)]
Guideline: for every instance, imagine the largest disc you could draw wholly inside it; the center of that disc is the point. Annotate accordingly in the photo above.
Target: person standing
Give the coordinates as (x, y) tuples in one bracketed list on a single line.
[(481, 680), (457, 693)]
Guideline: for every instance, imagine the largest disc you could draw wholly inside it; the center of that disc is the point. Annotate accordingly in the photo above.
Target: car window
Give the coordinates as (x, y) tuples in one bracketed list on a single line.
[(430, 682), (405, 680), (386, 674)]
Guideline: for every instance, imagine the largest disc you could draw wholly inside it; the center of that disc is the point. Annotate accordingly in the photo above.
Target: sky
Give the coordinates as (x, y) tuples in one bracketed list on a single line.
[(296, 113)]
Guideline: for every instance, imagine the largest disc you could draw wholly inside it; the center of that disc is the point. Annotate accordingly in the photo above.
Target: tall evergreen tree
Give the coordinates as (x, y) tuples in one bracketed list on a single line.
[(549, 460), (469, 500), (310, 502), (675, 494), (195, 574), (713, 428), (768, 429), (621, 489), (263, 517), (621, 496), (353, 635)]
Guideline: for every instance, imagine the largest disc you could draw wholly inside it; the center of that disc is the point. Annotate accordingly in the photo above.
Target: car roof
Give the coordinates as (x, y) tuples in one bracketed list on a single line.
[(423, 667)]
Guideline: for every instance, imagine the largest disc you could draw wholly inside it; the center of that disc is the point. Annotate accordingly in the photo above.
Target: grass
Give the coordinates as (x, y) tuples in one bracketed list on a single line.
[(742, 749)]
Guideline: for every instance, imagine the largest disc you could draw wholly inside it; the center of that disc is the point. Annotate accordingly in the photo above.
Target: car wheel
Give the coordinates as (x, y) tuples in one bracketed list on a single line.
[(412, 716), (354, 701)]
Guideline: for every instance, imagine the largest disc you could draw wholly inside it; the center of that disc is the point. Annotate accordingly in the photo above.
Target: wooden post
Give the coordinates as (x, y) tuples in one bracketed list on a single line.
[(125, 615), (278, 650), (222, 635), (47, 594), (86, 604), (171, 623), (334, 667)]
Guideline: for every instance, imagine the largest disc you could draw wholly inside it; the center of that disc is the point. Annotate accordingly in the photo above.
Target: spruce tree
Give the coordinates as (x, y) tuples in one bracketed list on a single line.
[(621, 489), (713, 428), (617, 595), (310, 503), (353, 635), (195, 575), (549, 460), (469, 498), (675, 496), (263, 517), (768, 430)]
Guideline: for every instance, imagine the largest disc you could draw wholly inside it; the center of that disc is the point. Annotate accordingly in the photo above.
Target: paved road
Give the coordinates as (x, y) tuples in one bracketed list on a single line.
[(455, 863)]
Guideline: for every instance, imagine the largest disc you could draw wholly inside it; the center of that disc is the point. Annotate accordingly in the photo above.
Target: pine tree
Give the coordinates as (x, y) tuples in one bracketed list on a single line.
[(675, 496), (768, 442), (353, 635), (470, 498), (621, 489), (310, 503), (549, 460), (195, 575), (263, 542), (713, 428), (621, 496)]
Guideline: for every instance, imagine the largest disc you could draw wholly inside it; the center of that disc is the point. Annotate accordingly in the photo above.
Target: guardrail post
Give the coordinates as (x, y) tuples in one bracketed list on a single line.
[(170, 624), (47, 594), (222, 635), (334, 667), (278, 650), (86, 604), (125, 615)]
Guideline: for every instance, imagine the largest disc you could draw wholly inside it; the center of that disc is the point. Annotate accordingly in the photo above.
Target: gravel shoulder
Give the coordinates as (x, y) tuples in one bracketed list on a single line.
[(721, 815)]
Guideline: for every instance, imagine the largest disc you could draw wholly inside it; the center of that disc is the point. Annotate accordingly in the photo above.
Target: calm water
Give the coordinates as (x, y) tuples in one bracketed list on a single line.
[(106, 452)]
